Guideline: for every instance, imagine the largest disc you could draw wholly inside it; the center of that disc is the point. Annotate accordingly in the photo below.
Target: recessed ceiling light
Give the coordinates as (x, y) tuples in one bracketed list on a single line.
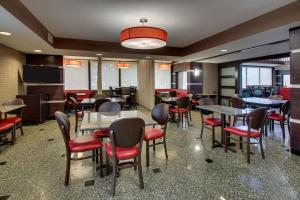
[(5, 33), (37, 51), (224, 50), (99, 54)]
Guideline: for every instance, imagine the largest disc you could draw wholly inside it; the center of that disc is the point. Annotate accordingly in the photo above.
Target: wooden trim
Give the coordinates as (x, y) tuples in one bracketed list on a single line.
[(227, 76), (227, 87)]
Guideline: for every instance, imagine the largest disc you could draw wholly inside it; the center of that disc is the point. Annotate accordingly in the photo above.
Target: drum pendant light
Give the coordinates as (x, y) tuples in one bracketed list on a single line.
[(143, 37)]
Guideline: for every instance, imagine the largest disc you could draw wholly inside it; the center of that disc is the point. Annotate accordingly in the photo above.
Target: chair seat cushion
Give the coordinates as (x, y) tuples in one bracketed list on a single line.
[(153, 133), (276, 117), (180, 110), (79, 114), (5, 125), (213, 121), (122, 153), (101, 133), (84, 143), (243, 131), (14, 120)]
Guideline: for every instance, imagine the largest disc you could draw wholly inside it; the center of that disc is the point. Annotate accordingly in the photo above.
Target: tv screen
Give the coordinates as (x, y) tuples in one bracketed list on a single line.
[(41, 74)]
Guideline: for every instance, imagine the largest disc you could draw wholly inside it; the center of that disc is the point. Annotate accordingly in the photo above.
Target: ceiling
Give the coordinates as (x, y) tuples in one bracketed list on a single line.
[(187, 21), (70, 25)]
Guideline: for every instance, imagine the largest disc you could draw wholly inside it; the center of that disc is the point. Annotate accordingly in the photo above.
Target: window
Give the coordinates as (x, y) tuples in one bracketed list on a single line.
[(182, 80), (129, 75), (162, 77), (286, 80), (256, 76), (110, 75), (77, 78), (94, 75)]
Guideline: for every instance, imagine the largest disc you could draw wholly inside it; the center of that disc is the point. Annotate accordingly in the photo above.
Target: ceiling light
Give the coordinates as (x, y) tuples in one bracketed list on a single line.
[(224, 50), (72, 63), (99, 54), (38, 51), (143, 37), (122, 65), (5, 33)]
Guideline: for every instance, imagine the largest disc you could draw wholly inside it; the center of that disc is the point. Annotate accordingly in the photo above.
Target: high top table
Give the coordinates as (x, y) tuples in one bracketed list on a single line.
[(9, 108), (225, 110), (270, 103)]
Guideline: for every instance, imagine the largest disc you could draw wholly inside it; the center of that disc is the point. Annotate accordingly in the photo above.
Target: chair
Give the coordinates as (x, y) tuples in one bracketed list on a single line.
[(17, 119), (69, 102), (5, 128), (182, 109), (283, 117), (78, 113), (126, 139), (99, 102), (93, 94), (157, 99), (207, 121), (106, 107), (76, 145), (160, 115), (254, 129), (173, 93), (237, 102), (245, 94)]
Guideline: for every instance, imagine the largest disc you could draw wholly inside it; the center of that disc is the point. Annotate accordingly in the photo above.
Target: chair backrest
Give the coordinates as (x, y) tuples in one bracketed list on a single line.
[(205, 101), (16, 101), (110, 107), (160, 113), (69, 95), (64, 126), (93, 94), (257, 118), (173, 93), (164, 94), (183, 102), (237, 102), (157, 99), (127, 132), (286, 109), (74, 103), (99, 102), (245, 93)]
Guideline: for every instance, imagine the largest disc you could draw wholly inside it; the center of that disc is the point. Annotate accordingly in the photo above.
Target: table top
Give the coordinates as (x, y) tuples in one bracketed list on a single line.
[(9, 108), (225, 110), (206, 94), (102, 120), (91, 101), (169, 99), (88, 101), (117, 99), (263, 101)]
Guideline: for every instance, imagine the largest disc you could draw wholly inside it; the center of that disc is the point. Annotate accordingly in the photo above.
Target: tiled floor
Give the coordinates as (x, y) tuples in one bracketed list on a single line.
[(35, 170)]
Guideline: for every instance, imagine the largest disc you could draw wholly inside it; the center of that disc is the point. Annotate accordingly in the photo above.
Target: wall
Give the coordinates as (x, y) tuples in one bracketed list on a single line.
[(145, 89), (11, 61), (210, 78)]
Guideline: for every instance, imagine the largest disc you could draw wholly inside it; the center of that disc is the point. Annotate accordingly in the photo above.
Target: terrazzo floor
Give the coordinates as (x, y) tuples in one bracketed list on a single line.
[(35, 168)]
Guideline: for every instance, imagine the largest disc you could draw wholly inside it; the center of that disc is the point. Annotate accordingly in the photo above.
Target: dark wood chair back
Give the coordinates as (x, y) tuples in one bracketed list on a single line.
[(99, 102), (69, 95), (237, 102), (286, 109), (183, 102), (127, 132), (205, 101), (173, 93), (257, 118), (110, 107), (64, 126), (93, 94), (74, 104), (160, 113), (157, 99)]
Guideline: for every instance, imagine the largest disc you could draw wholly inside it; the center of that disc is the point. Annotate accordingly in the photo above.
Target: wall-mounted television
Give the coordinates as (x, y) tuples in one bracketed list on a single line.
[(41, 74)]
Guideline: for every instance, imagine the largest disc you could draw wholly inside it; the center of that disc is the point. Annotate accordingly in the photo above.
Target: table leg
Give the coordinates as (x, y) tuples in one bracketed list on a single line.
[(223, 118)]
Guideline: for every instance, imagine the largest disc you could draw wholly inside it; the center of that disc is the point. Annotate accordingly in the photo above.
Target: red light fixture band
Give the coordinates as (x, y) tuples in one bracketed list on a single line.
[(122, 65), (72, 63), (164, 66)]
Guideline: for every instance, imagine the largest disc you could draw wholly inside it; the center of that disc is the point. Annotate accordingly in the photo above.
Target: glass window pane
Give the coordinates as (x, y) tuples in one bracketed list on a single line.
[(227, 92), (182, 80), (230, 71), (129, 75), (252, 76), (94, 75), (266, 76), (76, 78), (110, 75), (162, 77), (286, 80), (228, 82), (244, 78)]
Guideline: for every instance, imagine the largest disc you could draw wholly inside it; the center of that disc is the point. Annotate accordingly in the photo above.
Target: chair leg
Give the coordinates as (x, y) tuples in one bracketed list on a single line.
[(147, 153), (248, 150), (241, 143), (190, 114), (114, 176), (21, 129), (178, 121), (140, 172), (288, 125), (226, 141), (153, 145), (76, 124), (135, 164), (202, 129), (67, 175), (107, 165), (213, 137), (165, 147), (283, 129), (101, 162), (261, 148)]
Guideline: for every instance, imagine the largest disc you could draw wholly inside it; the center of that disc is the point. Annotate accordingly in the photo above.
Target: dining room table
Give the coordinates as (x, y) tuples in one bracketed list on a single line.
[(264, 102), (224, 111), (4, 109), (90, 102)]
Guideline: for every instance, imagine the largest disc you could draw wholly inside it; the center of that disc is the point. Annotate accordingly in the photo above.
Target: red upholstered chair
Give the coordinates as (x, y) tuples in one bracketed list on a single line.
[(160, 115), (283, 118), (17, 118), (208, 120), (126, 139), (5, 128), (79, 144), (182, 109), (68, 100), (254, 129), (78, 112), (106, 107)]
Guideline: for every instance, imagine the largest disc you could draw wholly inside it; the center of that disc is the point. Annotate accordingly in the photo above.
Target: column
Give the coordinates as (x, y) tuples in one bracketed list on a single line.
[(99, 80), (295, 95)]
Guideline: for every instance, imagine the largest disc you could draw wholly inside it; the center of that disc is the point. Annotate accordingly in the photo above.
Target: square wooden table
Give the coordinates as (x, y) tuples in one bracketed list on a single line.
[(102, 120), (9, 108)]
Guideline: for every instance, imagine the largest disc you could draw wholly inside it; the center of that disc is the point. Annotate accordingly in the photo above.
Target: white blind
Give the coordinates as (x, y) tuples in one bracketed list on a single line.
[(266, 76), (129, 75), (162, 77), (76, 78)]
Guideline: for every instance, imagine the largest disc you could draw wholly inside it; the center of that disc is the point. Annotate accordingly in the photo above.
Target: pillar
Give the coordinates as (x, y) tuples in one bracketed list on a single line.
[(99, 80)]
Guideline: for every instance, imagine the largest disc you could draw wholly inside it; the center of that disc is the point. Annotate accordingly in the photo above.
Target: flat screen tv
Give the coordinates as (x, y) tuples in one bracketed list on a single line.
[(41, 74)]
